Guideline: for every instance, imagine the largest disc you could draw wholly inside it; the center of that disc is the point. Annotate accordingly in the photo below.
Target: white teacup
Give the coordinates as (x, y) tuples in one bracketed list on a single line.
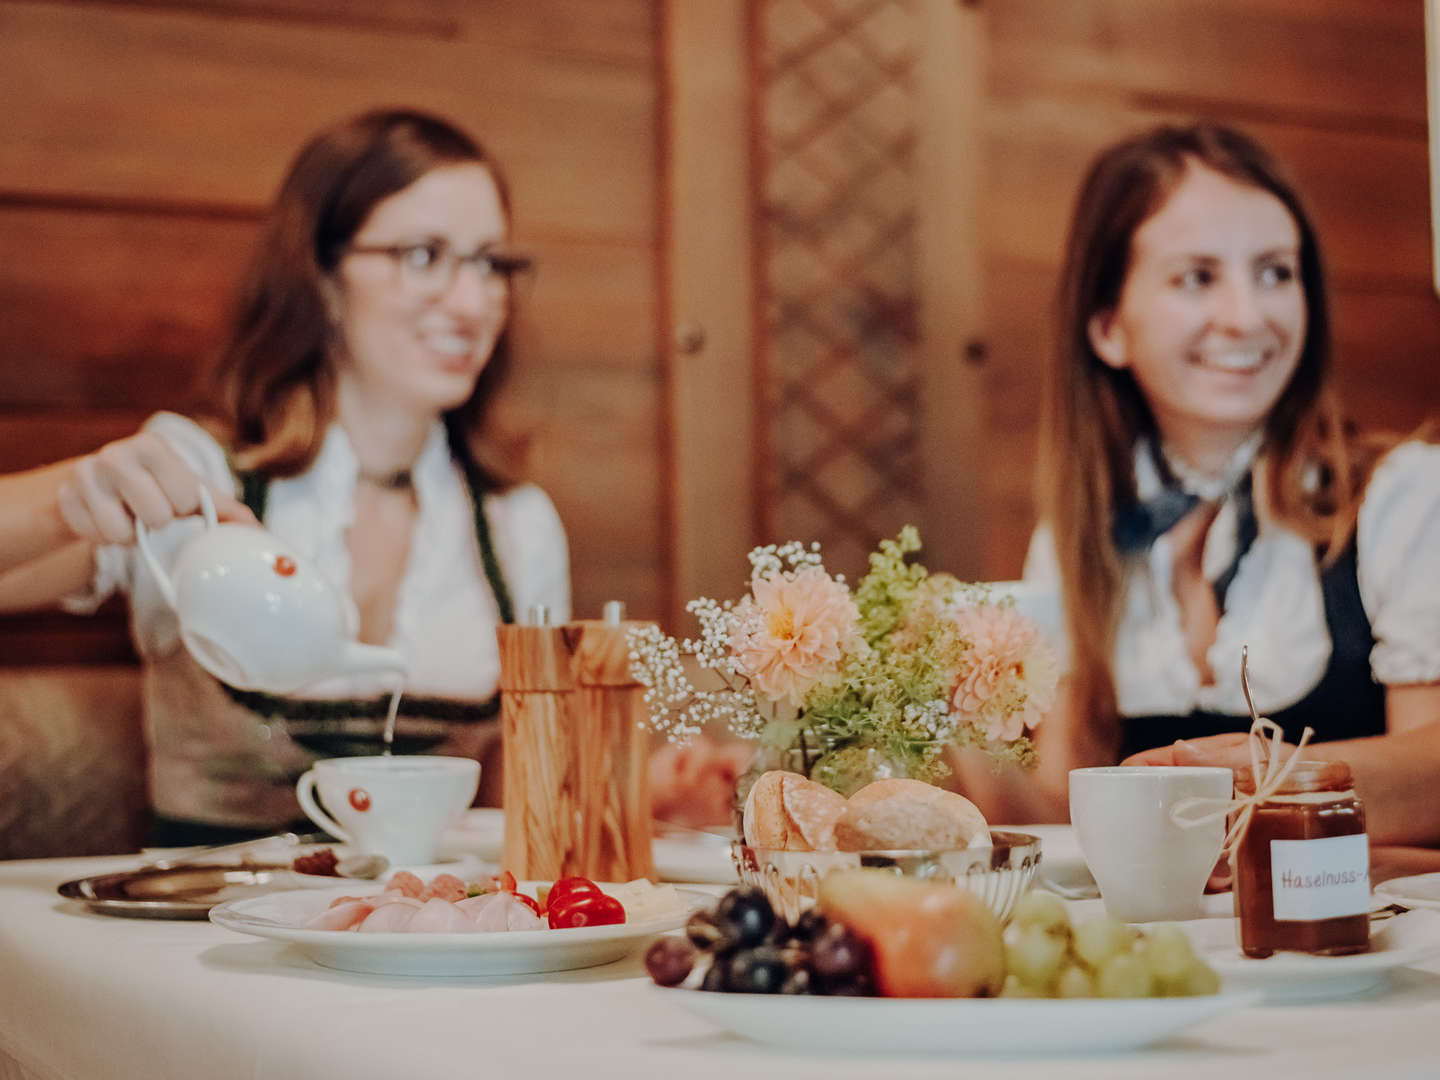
[(398, 807), (1149, 868)]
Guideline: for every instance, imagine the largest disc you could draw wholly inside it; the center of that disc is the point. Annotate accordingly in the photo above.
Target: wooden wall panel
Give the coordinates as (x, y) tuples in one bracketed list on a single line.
[(180, 107), (1337, 61), (110, 310), (143, 140), (1335, 87)]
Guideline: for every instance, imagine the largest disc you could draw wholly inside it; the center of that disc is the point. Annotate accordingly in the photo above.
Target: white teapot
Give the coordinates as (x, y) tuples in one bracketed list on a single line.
[(257, 615)]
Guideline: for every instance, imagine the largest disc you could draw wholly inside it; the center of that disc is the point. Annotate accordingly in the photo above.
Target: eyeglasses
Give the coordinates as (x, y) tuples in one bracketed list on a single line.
[(430, 266)]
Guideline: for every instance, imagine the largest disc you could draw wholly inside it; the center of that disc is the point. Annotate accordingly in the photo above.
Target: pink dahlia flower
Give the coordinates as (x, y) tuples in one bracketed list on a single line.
[(792, 631), (1008, 677)]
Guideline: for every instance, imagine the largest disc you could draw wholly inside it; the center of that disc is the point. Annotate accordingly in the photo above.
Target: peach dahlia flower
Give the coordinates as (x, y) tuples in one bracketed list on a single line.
[(792, 631), (1009, 676)]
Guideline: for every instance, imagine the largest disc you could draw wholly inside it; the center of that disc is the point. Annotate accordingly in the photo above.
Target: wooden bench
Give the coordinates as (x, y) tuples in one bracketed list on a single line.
[(72, 761)]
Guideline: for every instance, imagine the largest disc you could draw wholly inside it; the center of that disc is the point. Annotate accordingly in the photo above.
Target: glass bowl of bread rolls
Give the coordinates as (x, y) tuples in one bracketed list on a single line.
[(797, 831)]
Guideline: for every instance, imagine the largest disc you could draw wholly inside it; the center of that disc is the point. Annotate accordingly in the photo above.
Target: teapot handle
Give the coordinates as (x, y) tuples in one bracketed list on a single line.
[(142, 541)]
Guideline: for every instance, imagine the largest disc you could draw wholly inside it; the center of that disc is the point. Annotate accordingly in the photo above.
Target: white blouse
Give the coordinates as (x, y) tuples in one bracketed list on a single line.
[(445, 612), (1275, 604)]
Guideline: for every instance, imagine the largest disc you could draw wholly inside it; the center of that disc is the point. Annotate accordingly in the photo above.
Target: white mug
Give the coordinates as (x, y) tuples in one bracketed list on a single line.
[(398, 807), (1148, 867)]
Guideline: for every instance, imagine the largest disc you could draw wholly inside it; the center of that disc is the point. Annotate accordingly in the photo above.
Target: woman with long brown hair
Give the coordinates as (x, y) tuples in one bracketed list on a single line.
[(1200, 491), (368, 339)]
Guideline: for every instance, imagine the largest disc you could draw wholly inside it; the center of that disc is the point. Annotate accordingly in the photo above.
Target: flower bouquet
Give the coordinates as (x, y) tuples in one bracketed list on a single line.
[(847, 686)]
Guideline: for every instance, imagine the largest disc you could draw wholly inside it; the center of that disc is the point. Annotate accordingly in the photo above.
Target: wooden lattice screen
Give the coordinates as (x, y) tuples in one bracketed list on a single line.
[(836, 231)]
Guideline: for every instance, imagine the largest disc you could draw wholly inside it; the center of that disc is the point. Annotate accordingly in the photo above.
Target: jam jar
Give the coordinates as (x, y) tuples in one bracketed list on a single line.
[(1302, 869)]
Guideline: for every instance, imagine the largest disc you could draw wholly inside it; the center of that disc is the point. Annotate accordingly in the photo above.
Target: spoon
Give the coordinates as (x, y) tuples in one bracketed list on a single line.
[(359, 867), (187, 856), (362, 867)]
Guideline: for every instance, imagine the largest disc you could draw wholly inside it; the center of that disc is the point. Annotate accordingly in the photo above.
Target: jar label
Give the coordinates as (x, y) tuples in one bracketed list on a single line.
[(1327, 878)]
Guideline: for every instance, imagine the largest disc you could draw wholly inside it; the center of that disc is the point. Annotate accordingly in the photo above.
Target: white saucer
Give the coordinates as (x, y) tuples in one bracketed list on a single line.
[(1286, 976), (1420, 891), (1062, 866)]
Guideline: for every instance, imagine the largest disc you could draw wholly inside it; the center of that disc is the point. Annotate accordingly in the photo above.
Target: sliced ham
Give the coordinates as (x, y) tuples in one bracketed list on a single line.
[(392, 916), (345, 914)]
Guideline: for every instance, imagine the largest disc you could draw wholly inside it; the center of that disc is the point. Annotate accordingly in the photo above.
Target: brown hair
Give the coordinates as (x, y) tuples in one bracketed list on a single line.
[(1094, 414), (275, 381)]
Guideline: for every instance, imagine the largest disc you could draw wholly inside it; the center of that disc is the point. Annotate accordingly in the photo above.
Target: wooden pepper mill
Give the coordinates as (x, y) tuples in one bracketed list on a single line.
[(577, 798)]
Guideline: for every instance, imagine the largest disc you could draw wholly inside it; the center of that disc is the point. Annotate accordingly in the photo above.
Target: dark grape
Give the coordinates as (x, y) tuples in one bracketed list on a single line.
[(715, 977), (809, 926), (839, 954), (702, 931), (761, 970), (744, 917), (669, 960), (797, 982)]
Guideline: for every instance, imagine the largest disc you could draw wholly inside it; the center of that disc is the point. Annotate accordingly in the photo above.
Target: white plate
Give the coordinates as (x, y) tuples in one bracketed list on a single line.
[(695, 858), (281, 917), (1008, 1026), (1422, 890), (1287, 976)]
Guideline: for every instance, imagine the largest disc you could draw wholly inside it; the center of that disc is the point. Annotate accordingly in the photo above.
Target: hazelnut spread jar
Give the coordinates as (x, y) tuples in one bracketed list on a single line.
[(1302, 867)]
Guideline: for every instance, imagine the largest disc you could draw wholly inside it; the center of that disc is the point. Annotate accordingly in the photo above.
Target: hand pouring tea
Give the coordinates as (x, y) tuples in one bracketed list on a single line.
[(257, 615)]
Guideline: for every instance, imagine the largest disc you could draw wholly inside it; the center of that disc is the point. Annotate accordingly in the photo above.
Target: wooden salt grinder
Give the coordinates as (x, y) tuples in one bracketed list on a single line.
[(615, 752), (577, 799)]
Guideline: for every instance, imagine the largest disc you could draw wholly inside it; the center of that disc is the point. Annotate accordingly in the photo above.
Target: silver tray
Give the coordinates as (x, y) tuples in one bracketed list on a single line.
[(180, 892)]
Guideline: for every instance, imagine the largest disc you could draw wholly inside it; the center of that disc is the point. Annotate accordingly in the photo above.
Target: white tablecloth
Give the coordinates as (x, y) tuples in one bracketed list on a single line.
[(89, 996)]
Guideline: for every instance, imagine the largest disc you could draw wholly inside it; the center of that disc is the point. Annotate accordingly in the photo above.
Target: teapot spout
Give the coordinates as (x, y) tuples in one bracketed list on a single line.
[(357, 658)]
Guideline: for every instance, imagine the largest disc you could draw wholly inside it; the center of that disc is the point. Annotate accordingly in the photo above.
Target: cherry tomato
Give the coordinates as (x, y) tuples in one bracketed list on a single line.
[(503, 882), (570, 886), (584, 909), (531, 904)]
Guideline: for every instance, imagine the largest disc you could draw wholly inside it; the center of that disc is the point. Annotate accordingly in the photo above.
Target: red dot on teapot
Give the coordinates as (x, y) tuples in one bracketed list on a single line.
[(360, 799), (284, 565)]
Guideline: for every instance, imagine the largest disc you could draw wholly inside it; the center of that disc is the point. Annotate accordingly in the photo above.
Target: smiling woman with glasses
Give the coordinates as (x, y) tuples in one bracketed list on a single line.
[(351, 395)]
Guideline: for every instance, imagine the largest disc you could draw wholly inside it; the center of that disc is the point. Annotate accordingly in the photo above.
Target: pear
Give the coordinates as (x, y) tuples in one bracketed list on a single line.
[(930, 939)]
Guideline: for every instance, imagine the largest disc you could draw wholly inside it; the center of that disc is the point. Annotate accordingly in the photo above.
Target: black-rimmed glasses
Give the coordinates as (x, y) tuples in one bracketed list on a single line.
[(430, 266)]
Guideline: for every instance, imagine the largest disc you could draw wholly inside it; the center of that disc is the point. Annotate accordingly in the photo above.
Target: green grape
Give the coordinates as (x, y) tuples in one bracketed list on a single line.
[(1043, 909), (1199, 979), (1168, 953), (1099, 938), (1123, 975), (1035, 956), (1074, 982)]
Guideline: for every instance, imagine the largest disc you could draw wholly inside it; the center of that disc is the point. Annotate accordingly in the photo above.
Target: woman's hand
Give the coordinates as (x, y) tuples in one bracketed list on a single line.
[(694, 785), (140, 477), (1228, 751)]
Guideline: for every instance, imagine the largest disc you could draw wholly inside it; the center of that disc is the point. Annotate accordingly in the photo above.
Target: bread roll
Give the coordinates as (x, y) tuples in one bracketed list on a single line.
[(909, 815), (786, 811)]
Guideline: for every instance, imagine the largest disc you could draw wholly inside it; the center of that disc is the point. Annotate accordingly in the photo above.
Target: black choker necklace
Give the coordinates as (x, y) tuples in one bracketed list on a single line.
[(399, 480)]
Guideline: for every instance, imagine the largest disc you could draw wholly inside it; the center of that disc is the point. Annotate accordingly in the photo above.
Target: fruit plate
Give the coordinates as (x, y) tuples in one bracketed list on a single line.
[(281, 917), (1395, 943), (968, 1026)]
